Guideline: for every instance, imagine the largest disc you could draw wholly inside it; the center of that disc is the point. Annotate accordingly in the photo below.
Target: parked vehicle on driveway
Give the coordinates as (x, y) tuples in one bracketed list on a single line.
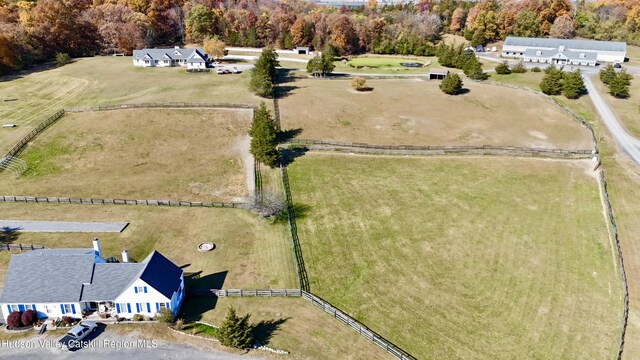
[(73, 338), (220, 70), (235, 70)]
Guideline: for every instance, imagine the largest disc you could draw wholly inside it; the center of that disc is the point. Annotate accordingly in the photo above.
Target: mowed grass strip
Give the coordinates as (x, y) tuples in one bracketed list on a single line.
[(416, 112), (463, 258), (250, 253), (174, 154)]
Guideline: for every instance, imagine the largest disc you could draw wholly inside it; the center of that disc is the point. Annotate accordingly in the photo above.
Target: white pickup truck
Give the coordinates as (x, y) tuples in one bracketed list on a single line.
[(73, 338)]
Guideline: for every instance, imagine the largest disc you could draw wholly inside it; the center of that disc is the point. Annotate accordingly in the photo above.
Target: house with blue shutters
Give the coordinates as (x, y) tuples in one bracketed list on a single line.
[(76, 282)]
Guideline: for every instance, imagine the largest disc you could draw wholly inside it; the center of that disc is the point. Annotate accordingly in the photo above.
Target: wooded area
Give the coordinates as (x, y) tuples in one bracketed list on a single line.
[(35, 30)]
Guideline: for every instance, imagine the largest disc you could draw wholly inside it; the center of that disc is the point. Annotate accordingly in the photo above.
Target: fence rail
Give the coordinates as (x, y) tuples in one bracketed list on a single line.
[(623, 274), (17, 149), (248, 293), (20, 247), (159, 105), (363, 330), (443, 150), (91, 201)]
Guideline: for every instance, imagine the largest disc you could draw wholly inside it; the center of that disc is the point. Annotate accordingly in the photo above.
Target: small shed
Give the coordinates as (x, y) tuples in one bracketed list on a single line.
[(302, 50), (438, 74)]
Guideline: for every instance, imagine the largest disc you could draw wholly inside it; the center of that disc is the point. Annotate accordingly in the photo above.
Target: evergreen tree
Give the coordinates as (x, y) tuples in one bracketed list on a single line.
[(314, 65), (619, 85), (263, 75), (607, 74), (478, 38), (473, 69), (573, 85), (503, 68), (552, 81), (264, 137), (451, 84), (519, 68), (236, 331), (327, 59)]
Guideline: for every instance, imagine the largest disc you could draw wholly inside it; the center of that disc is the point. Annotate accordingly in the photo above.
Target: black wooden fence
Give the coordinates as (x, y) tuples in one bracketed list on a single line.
[(17, 149), (19, 247), (167, 105), (92, 201), (443, 150)]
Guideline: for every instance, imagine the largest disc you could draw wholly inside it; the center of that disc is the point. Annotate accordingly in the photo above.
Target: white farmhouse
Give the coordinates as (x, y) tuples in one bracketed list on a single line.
[(191, 58), (564, 51), (73, 282)]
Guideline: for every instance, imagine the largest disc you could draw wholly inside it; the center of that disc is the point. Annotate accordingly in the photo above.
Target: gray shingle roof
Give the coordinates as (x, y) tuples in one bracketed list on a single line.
[(592, 45), (71, 275), (573, 55), (163, 54), (110, 279), (47, 275), (197, 57)]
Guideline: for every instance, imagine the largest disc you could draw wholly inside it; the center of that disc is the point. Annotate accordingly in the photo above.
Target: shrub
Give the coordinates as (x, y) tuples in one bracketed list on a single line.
[(607, 74), (179, 324), (29, 317), (503, 68), (360, 84), (138, 317), (536, 69), (164, 316), (62, 59), (14, 320), (451, 84), (519, 68)]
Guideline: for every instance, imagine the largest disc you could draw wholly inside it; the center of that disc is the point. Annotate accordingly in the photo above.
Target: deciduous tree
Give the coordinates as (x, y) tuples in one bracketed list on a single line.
[(214, 47), (563, 27)]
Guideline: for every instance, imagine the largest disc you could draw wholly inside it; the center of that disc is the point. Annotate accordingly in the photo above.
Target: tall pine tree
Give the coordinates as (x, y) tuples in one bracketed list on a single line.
[(619, 85), (236, 331), (451, 84), (607, 74), (573, 85), (263, 75), (264, 137), (552, 81)]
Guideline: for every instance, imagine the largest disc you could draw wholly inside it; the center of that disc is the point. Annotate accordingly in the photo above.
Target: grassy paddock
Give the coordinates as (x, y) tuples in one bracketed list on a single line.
[(425, 252), (416, 112), (626, 110), (300, 328), (180, 154), (104, 81), (250, 253)]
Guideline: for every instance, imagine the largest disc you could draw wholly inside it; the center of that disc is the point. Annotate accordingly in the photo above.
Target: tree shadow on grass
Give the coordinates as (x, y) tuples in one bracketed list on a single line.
[(289, 155), (198, 299), (9, 235), (264, 330), (286, 135), (463, 91)]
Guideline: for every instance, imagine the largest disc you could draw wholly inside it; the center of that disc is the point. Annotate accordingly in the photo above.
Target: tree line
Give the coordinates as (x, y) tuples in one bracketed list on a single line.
[(35, 30)]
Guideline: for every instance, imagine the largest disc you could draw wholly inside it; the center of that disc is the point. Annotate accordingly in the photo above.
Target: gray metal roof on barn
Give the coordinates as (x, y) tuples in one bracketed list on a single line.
[(572, 55), (592, 45), (436, 71)]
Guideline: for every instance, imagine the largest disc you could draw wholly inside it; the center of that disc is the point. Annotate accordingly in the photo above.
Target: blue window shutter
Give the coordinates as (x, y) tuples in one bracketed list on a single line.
[(135, 289), (145, 289), (167, 305), (62, 308), (137, 307), (129, 308), (73, 309), (118, 308), (148, 307), (9, 308), (157, 306), (33, 306), (20, 307)]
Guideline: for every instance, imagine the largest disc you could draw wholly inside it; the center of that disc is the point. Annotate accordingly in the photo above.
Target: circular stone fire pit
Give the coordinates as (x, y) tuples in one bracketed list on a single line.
[(206, 247)]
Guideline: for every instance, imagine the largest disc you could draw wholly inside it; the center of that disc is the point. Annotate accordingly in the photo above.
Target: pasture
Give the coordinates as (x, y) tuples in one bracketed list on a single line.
[(105, 81), (626, 110), (385, 64), (463, 258), (416, 112), (249, 252), (174, 154)]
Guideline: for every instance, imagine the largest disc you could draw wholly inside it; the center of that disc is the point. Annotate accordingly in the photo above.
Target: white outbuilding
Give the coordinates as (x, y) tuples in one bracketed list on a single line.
[(564, 51)]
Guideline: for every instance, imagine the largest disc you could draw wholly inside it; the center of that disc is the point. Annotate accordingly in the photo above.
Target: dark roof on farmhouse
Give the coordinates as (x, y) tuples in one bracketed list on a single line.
[(71, 275), (592, 45), (173, 53)]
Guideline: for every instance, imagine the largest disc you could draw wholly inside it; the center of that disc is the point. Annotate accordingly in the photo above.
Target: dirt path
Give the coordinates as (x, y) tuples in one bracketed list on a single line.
[(244, 145)]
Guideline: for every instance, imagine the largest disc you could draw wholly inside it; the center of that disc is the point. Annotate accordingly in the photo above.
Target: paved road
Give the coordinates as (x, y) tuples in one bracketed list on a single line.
[(62, 226), (627, 143)]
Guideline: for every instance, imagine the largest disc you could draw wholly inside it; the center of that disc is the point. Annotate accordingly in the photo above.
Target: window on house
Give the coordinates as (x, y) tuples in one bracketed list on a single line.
[(67, 308), (141, 307), (162, 306), (29, 307), (15, 308), (123, 308), (140, 289)]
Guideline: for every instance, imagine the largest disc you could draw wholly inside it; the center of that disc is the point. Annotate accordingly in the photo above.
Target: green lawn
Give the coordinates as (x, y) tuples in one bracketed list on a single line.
[(463, 258), (529, 79), (385, 64)]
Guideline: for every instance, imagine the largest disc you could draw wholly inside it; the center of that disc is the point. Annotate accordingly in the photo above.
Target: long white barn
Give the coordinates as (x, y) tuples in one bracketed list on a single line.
[(564, 51)]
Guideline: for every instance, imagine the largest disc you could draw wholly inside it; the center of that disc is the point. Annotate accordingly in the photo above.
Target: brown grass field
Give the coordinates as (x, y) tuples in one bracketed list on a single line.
[(416, 112), (252, 252), (181, 154), (105, 81)]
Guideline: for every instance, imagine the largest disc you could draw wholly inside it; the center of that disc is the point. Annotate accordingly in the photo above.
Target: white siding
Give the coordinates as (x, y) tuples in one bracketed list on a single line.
[(52, 310), (131, 297)]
